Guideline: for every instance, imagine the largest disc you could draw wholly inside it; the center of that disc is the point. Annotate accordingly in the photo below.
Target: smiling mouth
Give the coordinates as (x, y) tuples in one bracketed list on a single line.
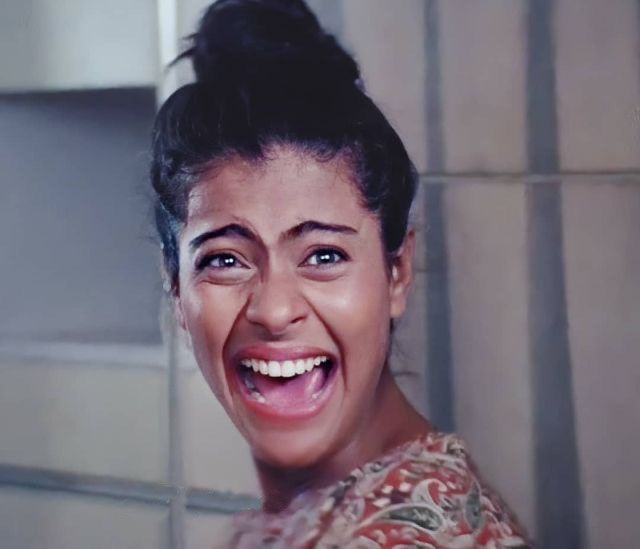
[(287, 385)]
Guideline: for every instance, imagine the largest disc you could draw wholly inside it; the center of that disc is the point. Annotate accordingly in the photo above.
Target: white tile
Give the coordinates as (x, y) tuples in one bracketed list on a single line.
[(215, 455), (42, 520), (207, 530), (598, 84), (602, 258), (483, 61), (388, 43), (104, 420), (486, 229)]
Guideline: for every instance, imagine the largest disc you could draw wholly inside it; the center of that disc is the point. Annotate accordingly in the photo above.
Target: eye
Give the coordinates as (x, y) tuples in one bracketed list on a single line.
[(220, 261), (325, 257)]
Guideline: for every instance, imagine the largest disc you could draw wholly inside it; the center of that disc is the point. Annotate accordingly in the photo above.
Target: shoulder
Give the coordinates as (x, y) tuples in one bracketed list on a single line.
[(426, 492)]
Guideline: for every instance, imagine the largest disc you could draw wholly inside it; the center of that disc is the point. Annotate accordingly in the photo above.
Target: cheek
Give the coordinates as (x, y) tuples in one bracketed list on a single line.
[(210, 315), (356, 312)]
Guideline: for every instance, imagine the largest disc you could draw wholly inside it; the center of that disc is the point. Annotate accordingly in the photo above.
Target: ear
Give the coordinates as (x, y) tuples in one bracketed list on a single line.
[(402, 275), (178, 311), (172, 292)]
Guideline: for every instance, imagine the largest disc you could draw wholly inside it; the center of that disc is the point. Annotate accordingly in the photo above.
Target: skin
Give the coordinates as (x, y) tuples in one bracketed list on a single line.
[(271, 284)]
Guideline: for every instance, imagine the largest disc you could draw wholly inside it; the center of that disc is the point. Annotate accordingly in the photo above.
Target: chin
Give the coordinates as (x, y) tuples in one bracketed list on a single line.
[(293, 448)]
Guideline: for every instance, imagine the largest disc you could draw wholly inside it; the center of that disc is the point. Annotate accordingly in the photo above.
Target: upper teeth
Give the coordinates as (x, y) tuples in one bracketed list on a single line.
[(285, 368)]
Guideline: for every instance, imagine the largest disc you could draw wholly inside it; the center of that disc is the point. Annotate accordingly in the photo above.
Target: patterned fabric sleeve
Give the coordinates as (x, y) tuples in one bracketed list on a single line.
[(429, 497)]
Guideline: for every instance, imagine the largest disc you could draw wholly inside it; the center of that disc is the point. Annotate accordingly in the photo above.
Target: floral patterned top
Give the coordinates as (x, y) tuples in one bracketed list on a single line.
[(423, 494)]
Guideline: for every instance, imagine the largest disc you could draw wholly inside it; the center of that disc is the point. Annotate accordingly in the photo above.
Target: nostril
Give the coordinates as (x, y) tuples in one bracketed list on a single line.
[(276, 306)]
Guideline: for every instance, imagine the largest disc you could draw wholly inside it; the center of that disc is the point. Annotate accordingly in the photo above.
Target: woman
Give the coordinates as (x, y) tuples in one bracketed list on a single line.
[(282, 204)]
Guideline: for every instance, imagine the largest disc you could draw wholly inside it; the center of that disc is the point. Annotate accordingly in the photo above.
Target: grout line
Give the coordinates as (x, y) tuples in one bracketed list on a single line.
[(168, 82), (558, 493), (439, 374), (433, 89), (439, 360), (20, 92), (521, 177), (120, 489), (226, 503), (556, 461), (116, 355), (85, 484), (176, 469)]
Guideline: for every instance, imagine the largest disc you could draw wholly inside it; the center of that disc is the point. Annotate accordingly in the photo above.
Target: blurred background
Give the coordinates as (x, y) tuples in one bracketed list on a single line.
[(523, 117)]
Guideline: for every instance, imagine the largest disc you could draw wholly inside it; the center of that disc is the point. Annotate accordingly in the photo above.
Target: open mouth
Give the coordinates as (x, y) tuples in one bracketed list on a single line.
[(287, 385)]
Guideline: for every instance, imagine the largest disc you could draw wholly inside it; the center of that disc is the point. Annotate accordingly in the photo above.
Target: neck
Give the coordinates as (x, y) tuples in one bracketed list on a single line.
[(390, 423)]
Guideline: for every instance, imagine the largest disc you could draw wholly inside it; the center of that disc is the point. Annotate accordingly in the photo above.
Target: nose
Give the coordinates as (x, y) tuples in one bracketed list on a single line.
[(276, 304)]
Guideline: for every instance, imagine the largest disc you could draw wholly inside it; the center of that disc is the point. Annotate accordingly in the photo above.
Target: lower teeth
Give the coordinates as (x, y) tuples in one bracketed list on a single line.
[(253, 390), (248, 382)]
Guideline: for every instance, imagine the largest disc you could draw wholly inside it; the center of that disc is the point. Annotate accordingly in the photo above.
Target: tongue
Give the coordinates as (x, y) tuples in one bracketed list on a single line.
[(289, 392)]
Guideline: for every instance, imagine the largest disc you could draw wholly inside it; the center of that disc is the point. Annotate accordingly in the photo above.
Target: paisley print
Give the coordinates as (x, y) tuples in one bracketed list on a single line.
[(423, 494)]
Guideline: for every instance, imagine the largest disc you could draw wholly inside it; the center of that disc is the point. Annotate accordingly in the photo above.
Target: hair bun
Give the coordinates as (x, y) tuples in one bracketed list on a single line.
[(266, 40)]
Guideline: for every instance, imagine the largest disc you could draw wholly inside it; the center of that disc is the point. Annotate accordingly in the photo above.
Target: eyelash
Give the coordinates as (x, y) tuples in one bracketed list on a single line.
[(207, 261), (341, 257)]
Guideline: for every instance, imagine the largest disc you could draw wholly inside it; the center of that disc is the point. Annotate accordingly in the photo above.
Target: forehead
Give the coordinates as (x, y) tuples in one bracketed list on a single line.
[(286, 187)]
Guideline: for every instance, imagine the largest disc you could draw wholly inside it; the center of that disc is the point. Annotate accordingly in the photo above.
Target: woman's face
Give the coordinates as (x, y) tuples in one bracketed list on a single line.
[(283, 271)]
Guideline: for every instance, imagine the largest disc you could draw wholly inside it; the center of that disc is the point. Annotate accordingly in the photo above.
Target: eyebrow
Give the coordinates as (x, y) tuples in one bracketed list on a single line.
[(307, 227), (233, 229), (237, 230)]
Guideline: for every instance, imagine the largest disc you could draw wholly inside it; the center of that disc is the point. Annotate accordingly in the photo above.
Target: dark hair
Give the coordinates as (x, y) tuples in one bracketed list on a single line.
[(267, 74)]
